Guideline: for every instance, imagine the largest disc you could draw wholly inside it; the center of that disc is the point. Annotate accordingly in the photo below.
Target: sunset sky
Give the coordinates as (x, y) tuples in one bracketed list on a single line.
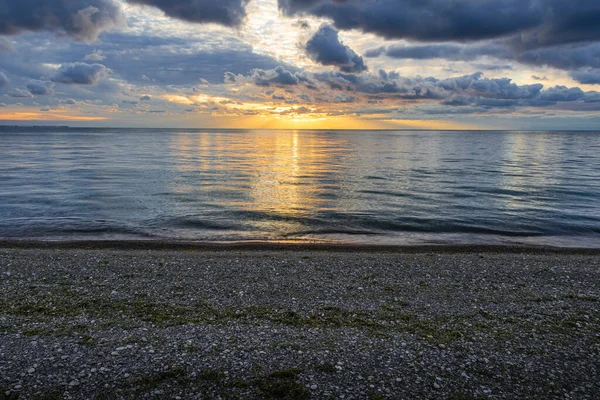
[(359, 64)]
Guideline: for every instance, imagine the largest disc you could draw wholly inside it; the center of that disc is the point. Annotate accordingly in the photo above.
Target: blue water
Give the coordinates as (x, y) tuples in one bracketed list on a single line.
[(392, 187)]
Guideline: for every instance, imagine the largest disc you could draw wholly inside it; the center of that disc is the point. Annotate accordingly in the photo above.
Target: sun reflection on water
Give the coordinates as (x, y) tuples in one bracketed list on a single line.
[(287, 175)]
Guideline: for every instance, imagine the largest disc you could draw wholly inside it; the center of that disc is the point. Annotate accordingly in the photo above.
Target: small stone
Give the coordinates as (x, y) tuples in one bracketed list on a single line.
[(74, 382), (436, 385), (313, 387), (31, 370), (442, 346)]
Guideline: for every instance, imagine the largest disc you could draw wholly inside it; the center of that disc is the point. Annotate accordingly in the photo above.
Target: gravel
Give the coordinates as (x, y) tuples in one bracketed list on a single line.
[(197, 324)]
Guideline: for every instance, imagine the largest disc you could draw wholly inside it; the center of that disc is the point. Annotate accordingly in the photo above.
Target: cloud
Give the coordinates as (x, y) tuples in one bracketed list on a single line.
[(467, 94), (535, 23), (493, 67), (430, 20), (325, 48), (179, 61), (539, 78), (562, 93), (95, 56), (145, 98), (3, 80), (40, 88), (454, 52), (278, 76), (224, 12), (5, 45), (560, 56), (81, 20), (587, 76), (563, 56), (80, 73), (19, 93), (499, 88)]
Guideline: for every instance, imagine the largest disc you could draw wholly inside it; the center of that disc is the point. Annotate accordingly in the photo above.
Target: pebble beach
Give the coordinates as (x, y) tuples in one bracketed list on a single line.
[(179, 322)]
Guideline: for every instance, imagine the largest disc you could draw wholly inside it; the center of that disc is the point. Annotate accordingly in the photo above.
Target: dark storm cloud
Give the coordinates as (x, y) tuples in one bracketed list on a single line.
[(565, 57), (452, 52), (3, 80), (80, 73), (587, 76), (82, 20), (562, 34), (224, 12), (537, 23), (325, 48), (40, 88), (427, 20)]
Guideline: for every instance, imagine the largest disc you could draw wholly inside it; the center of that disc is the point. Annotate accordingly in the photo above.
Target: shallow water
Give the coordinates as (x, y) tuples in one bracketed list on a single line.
[(392, 187)]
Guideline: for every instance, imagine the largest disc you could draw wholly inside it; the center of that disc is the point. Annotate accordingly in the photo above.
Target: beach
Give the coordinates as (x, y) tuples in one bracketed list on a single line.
[(99, 321)]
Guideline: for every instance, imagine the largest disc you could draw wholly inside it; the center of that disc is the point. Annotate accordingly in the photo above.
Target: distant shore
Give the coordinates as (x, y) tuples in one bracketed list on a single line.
[(128, 319)]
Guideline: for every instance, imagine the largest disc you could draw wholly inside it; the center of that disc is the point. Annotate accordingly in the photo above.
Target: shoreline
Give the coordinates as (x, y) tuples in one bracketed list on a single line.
[(185, 245)]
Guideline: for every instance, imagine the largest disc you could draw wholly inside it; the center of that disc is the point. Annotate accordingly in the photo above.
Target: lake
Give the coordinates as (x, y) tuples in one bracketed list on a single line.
[(367, 187)]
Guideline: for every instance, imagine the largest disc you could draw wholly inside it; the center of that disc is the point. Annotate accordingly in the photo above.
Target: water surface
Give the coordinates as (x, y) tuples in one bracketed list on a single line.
[(389, 187)]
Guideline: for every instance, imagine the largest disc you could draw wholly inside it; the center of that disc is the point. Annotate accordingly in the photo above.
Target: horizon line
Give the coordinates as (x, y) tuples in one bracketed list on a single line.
[(2, 126)]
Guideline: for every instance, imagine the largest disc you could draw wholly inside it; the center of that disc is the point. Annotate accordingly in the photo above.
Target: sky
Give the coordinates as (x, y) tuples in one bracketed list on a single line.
[(301, 64)]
